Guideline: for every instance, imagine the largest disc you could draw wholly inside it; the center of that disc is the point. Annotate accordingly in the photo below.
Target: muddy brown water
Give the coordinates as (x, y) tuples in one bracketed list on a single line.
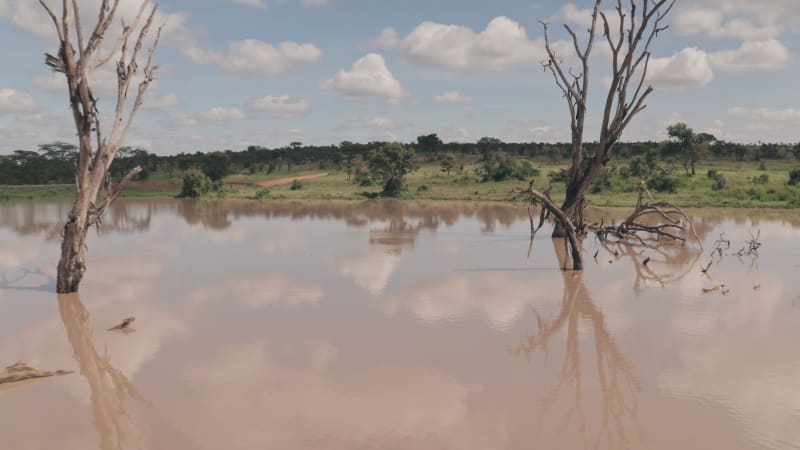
[(385, 325)]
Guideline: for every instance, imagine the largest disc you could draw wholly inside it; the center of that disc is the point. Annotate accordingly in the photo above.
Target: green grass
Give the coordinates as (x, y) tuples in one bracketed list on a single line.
[(430, 183)]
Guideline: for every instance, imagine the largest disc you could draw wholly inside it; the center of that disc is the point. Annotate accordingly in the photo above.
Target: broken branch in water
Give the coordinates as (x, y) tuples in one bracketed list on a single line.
[(21, 372), (639, 228), (123, 325)]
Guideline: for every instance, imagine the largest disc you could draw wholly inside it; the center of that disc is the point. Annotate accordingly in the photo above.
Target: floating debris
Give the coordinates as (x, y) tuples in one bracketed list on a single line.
[(20, 372), (124, 325), (718, 288)]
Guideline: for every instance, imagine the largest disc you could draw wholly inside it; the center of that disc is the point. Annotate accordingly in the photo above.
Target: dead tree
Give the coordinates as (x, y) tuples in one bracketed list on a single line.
[(96, 149), (629, 41)]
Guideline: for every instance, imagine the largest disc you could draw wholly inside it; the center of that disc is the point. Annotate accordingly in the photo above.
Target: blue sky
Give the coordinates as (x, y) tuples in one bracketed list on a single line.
[(268, 72)]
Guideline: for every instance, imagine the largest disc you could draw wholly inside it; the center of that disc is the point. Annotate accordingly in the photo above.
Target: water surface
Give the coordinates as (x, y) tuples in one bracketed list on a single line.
[(288, 325)]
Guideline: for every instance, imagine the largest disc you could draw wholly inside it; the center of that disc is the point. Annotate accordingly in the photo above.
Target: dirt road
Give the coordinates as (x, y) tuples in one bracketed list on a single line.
[(288, 180)]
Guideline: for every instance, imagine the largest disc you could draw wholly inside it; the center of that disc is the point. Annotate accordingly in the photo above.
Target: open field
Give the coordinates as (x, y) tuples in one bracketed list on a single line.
[(430, 183)]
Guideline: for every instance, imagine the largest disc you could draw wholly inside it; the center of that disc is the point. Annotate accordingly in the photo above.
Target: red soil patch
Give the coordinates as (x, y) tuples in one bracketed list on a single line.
[(288, 180)]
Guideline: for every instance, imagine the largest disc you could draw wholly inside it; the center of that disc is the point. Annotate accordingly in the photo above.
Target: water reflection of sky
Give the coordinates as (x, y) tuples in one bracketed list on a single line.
[(399, 325)]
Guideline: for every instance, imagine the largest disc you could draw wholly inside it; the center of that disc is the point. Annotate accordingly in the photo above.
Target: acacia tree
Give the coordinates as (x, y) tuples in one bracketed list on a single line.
[(629, 34), (96, 150)]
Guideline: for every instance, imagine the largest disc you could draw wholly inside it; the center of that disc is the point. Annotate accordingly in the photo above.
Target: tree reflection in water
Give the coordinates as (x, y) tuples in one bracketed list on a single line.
[(619, 385), (111, 392)]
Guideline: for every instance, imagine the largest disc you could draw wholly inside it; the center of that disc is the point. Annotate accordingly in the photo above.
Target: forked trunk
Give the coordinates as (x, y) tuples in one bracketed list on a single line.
[(72, 264)]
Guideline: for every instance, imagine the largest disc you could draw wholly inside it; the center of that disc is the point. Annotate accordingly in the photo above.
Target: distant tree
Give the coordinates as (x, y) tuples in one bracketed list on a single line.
[(130, 157), (390, 164), (59, 151), (487, 146), (447, 163), (296, 144), (216, 165), (686, 145), (349, 165), (429, 143)]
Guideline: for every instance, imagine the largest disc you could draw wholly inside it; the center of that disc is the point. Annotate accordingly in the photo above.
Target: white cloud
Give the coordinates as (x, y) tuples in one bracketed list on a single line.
[(13, 101), (221, 114), (29, 16), (502, 45), (313, 3), (51, 82), (789, 114), (368, 77), (252, 3), (769, 54), (388, 38), (255, 57), (452, 97), (710, 22), (688, 68), (781, 13), (214, 115), (155, 100), (281, 106)]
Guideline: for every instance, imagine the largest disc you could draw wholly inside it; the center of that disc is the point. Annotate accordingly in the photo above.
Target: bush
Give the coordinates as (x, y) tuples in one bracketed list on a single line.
[(422, 188), (262, 193), (195, 184), (794, 177), (719, 180), (296, 185), (361, 177), (562, 176), (602, 182), (661, 182), (761, 179), (501, 168)]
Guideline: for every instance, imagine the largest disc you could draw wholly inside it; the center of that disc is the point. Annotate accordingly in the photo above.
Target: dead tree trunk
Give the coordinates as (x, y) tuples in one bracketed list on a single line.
[(96, 151), (629, 43)]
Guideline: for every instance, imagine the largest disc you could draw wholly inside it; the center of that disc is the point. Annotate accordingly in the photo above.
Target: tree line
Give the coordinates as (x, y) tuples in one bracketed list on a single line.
[(54, 163)]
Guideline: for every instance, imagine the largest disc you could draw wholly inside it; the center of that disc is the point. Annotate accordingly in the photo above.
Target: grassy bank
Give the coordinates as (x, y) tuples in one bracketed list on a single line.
[(748, 184)]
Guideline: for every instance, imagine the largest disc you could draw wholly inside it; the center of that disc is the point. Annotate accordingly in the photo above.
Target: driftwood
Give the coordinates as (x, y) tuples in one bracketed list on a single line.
[(124, 326), (650, 223), (21, 372)]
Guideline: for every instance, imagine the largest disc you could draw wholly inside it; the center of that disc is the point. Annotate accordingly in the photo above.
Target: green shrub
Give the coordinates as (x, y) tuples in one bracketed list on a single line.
[(501, 168), (423, 188), (794, 177), (562, 176), (361, 177), (262, 193), (296, 185), (719, 182), (662, 182), (602, 182), (195, 184), (761, 179)]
